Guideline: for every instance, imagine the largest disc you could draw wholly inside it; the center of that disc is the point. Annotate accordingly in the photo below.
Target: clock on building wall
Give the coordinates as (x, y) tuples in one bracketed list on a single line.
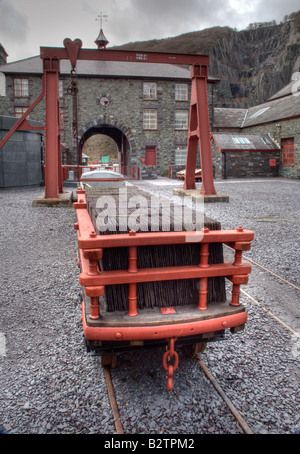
[(103, 100)]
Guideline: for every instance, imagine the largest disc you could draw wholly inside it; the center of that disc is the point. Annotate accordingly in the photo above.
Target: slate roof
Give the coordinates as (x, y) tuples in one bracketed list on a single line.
[(226, 117), (257, 142), (33, 65), (273, 110), (292, 87)]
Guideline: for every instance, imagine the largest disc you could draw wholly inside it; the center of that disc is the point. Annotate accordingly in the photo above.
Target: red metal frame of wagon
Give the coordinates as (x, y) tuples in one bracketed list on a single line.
[(93, 280)]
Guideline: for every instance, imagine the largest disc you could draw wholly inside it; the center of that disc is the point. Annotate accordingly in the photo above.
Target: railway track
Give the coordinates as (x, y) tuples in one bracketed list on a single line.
[(206, 371), (116, 415)]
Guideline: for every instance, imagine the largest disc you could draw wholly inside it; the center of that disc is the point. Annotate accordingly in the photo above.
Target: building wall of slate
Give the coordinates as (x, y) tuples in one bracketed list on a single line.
[(246, 164), (284, 130), (279, 130), (125, 112)]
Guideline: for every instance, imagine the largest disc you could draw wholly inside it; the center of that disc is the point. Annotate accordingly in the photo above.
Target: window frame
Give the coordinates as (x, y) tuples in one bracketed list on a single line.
[(181, 124), (181, 95), (21, 109), (60, 88), (150, 123), (180, 155), (151, 93), (21, 89)]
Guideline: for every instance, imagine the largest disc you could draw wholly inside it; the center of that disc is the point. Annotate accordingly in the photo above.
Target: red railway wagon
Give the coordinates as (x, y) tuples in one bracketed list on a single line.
[(152, 288)]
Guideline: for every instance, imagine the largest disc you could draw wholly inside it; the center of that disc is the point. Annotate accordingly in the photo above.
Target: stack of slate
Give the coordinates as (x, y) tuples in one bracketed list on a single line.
[(119, 217)]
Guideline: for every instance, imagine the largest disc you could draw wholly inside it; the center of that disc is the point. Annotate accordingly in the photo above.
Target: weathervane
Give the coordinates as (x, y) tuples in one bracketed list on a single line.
[(102, 17), (101, 41)]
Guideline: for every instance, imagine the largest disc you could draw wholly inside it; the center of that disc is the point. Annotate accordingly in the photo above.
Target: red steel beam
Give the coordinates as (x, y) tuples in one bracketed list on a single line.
[(160, 238), (165, 331), (199, 133), (167, 273), (88, 239), (124, 55), (52, 139), (23, 121), (199, 118)]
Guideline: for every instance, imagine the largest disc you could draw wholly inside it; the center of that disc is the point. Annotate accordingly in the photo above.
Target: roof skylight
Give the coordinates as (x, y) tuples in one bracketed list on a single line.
[(259, 112), (241, 140)]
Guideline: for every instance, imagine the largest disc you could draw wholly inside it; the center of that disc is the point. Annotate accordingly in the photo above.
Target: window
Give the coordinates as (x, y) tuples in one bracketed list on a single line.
[(259, 112), (180, 155), (2, 85), (150, 119), (61, 88), (181, 92), (151, 156), (150, 91), (287, 147), (19, 111), (61, 117), (266, 141), (21, 87), (181, 119), (242, 140)]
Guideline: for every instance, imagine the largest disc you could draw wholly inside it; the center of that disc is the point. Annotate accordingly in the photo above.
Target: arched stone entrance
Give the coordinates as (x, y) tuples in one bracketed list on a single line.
[(117, 131)]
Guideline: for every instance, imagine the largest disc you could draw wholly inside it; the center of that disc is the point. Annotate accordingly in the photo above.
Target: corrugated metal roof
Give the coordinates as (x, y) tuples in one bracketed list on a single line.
[(33, 65), (244, 142)]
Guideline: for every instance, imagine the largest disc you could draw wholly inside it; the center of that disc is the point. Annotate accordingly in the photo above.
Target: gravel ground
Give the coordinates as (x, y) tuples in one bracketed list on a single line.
[(50, 385)]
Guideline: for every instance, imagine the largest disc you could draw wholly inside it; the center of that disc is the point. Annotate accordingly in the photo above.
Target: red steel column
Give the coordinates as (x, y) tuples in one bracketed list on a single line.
[(199, 131), (51, 72)]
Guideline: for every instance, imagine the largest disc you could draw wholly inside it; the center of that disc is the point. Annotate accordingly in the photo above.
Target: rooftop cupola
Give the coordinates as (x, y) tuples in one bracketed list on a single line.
[(101, 41)]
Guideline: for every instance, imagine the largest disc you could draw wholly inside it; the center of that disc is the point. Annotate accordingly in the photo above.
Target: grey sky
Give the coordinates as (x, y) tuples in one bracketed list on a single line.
[(25, 25)]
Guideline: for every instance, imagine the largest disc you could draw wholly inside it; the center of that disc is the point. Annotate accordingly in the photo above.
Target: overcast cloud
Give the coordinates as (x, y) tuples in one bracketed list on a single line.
[(25, 25)]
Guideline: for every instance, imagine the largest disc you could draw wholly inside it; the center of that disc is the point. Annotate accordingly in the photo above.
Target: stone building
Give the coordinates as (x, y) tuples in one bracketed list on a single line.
[(244, 155), (143, 107), (276, 121)]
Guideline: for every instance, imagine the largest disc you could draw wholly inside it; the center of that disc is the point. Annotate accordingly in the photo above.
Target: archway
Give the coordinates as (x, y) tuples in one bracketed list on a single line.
[(100, 148), (120, 134)]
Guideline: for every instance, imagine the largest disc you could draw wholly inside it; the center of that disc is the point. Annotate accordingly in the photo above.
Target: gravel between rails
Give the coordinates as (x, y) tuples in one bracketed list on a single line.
[(50, 385)]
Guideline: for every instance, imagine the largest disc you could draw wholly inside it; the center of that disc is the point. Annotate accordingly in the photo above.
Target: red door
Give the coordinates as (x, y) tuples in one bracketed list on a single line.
[(151, 156), (287, 146)]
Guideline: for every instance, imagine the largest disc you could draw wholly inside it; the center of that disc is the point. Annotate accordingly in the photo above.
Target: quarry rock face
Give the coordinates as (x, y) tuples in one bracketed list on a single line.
[(256, 63), (253, 64)]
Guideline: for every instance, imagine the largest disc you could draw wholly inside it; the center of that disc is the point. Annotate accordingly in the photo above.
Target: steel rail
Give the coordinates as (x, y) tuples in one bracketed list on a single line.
[(297, 334), (116, 415), (242, 423), (271, 272), (267, 269), (113, 400)]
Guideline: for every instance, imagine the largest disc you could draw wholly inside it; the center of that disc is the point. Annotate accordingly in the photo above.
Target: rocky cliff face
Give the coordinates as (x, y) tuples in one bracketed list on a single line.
[(253, 64)]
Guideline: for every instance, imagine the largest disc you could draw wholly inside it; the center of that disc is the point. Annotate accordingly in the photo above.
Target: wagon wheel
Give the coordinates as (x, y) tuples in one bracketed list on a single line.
[(109, 360), (193, 349)]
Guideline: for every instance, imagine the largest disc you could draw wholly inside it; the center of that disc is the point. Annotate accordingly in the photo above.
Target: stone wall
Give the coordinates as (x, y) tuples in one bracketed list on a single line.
[(245, 163), (8, 102), (283, 130), (125, 108), (278, 130), (126, 104)]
